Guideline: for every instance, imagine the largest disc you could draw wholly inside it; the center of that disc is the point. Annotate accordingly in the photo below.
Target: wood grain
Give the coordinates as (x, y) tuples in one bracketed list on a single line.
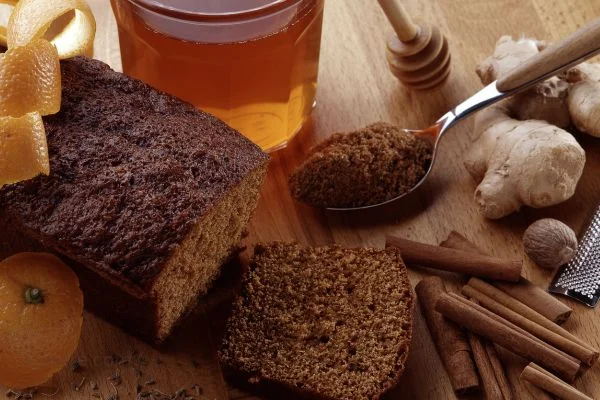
[(357, 88)]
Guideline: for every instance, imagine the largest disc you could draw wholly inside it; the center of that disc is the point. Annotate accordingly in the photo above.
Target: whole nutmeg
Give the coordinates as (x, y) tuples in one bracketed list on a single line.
[(549, 243)]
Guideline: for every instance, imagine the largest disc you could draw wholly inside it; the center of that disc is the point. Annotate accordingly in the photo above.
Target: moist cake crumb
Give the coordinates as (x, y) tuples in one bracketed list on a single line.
[(324, 322), (368, 166)]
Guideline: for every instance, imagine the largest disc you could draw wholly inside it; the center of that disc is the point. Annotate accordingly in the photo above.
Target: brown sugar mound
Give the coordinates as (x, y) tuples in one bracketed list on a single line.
[(325, 322), (368, 166)]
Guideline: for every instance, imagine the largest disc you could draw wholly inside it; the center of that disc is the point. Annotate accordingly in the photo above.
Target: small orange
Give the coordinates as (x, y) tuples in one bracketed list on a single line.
[(41, 309)]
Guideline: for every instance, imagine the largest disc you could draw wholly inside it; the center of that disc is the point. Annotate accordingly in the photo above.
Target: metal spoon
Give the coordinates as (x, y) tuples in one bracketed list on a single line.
[(575, 48)]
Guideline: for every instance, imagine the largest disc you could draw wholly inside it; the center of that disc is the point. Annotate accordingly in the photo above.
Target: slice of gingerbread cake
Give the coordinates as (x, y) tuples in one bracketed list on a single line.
[(320, 323), (147, 197)]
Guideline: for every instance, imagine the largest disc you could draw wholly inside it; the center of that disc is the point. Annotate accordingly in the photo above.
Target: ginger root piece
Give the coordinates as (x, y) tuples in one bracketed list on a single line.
[(522, 154), (507, 55), (584, 98), (584, 106), (521, 163), (545, 101)]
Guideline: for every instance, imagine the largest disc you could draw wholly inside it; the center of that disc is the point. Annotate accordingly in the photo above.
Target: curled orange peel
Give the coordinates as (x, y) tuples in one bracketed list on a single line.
[(23, 148), (32, 19), (30, 77)]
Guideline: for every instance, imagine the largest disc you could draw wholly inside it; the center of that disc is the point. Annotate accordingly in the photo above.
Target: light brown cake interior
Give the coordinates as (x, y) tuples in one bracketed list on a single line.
[(198, 260), (328, 322)]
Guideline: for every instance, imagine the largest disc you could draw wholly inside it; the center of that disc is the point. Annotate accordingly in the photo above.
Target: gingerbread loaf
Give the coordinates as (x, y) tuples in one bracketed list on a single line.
[(147, 197)]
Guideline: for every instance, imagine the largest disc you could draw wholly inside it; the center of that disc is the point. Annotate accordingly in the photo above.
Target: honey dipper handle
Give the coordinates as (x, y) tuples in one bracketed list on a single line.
[(575, 48), (402, 23)]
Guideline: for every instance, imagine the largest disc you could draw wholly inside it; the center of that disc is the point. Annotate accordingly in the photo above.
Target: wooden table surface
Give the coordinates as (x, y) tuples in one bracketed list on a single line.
[(355, 89)]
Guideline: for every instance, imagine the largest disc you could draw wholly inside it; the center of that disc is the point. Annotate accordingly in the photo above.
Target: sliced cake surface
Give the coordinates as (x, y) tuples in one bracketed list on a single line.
[(326, 322), (145, 191)]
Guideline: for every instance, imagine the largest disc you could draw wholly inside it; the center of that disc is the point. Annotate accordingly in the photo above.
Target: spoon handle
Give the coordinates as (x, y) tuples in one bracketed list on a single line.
[(578, 46)]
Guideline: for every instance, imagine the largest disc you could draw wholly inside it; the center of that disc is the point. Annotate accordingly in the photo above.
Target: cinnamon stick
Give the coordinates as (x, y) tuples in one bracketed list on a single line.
[(527, 312), (493, 377), (543, 379), (537, 393), (501, 334), (456, 260), (560, 342), (516, 328), (499, 372), (450, 340), (484, 366), (538, 299), (524, 290)]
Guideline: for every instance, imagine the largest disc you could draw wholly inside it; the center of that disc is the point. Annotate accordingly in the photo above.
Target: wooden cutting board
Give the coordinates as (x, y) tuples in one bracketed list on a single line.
[(355, 89)]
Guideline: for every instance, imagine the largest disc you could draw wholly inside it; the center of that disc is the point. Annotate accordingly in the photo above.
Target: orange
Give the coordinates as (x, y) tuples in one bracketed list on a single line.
[(30, 79), (33, 19), (40, 318), (23, 149)]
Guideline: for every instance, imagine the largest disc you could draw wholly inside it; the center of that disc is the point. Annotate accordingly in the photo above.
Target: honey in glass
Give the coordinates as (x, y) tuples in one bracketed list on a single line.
[(252, 63)]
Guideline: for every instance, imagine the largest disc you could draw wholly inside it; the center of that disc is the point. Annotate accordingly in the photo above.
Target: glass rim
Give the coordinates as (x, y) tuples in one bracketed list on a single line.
[(158, 7)]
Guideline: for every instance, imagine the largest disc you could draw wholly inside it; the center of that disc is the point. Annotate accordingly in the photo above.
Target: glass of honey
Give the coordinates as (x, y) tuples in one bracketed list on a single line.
[(252, 63)]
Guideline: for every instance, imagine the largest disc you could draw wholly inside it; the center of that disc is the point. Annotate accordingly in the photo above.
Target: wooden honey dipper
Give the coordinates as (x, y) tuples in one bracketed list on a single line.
[(418, 55)]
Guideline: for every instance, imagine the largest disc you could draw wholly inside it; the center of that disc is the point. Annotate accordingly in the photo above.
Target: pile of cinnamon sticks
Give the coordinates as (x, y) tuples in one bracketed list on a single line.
[(507, 310)]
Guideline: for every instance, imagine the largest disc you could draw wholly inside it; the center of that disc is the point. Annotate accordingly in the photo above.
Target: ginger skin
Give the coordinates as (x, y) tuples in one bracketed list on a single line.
[(521, 154), (545, 101), (521, 163), (584, 98)]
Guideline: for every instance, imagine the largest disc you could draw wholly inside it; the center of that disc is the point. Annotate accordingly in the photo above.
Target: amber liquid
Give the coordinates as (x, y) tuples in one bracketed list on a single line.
[(264, 87)]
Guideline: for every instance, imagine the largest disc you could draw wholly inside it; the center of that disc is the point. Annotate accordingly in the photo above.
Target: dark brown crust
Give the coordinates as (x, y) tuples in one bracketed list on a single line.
[(132, 171)]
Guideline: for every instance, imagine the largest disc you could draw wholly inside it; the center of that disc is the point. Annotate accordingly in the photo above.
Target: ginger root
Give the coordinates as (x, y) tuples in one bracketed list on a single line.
[(522, 163), (584, 98), (521, 154), (545, 101)]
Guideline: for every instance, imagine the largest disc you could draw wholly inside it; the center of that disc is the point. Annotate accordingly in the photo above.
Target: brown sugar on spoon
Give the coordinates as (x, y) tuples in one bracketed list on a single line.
[(367, 166)]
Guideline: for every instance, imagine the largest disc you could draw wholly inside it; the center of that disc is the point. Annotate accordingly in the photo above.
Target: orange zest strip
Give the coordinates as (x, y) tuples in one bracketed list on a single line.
[(30, 79), (33, 19), (23, 148), (38, 34)]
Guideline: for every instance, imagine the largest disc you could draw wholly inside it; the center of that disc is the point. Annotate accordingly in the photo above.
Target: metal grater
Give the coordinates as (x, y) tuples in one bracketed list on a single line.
[(580, 278)]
